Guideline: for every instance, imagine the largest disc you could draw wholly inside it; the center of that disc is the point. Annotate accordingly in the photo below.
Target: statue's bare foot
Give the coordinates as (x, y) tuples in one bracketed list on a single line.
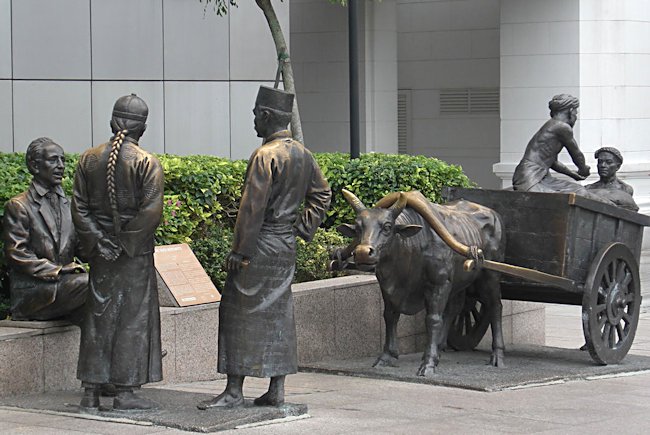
[(270, 398), (128, 400), (223, 400), (90, 399)]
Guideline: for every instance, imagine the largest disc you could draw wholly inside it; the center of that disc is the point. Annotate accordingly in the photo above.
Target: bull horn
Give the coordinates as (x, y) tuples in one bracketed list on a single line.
[(398, 205), (355, 202)]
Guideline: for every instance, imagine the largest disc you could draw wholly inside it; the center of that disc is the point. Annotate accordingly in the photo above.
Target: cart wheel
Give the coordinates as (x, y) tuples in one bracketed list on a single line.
[(611, 304), (469, 326)]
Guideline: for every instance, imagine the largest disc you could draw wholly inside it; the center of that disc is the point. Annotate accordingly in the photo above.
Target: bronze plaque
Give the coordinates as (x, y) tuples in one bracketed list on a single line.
[(184, 275)]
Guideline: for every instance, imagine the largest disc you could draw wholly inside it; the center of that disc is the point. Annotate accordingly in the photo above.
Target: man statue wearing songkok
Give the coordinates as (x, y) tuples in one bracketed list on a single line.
[(285, 195)]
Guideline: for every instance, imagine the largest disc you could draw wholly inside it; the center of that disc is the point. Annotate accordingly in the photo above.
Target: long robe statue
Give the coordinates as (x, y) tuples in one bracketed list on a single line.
[(117, 205), (257, 333)]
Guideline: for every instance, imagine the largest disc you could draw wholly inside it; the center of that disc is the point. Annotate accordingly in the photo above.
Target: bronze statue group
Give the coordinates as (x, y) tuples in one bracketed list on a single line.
[(117, 204)]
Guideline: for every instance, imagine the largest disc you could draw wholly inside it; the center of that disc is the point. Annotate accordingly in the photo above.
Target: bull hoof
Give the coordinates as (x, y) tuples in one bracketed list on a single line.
[(427, 370), (386, 360), (497, 359)]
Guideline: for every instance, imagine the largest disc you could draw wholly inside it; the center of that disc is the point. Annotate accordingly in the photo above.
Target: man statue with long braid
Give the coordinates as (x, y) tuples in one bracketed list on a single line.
[(116, 207), (257, 332)]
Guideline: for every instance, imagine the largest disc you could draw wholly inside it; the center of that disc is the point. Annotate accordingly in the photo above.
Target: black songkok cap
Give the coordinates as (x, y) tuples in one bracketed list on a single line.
[(131, 107), (275, 99)]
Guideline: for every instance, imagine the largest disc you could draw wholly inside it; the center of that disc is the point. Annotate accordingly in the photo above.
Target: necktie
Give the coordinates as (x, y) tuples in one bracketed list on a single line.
[(53, 198)]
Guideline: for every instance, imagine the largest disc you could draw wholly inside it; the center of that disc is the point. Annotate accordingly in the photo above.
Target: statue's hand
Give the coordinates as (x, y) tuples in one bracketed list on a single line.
[(235, 262), (108, 249), (73, 268), (584, 172), (577, 176)]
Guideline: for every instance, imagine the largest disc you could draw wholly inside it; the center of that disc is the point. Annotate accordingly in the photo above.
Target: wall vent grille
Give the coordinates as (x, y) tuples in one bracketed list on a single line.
[(469, 100), (403, 120)]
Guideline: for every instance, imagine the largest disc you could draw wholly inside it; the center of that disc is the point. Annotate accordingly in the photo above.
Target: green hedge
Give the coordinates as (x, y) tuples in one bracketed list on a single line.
[(202, 197)]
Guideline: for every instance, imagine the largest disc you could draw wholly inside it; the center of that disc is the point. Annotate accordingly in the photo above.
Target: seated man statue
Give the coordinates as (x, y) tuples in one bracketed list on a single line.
[(532, 173), (45, 282), (609, 186)]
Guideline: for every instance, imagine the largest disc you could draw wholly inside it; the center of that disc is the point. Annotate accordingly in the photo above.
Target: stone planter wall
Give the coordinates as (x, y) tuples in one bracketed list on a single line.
[(335, 318)]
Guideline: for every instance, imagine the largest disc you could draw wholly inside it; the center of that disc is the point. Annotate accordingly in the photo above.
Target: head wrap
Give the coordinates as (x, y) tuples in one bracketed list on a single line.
[(616, 153), (563, 101)]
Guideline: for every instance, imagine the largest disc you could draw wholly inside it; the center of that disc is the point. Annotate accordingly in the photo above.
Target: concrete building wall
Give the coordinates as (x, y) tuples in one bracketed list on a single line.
[(539, 58), (64, 62), (447, 45), (319, 55), (319, 40), (380, 76)]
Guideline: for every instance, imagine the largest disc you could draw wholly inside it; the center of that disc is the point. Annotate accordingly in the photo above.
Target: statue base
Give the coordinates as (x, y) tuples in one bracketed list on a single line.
[(526, 366), (177, 410)]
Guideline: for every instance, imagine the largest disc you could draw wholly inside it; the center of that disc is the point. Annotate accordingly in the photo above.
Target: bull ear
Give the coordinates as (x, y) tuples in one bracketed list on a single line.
[(347, 230), (407, 230)]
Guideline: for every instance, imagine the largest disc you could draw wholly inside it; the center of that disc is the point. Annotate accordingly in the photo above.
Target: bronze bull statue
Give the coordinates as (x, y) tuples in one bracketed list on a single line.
[(414, 247)]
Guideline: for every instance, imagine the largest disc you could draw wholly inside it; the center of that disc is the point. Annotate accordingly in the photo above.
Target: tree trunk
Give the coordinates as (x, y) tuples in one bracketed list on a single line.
[(283, 56)]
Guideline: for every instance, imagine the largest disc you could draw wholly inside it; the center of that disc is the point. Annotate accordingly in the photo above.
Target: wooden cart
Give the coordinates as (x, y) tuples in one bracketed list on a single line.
[(563, 248)]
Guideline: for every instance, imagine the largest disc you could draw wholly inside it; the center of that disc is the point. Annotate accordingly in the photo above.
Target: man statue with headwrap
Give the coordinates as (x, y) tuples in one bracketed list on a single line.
[(532, 174), (116, 207), (610, 186), (285, 195)]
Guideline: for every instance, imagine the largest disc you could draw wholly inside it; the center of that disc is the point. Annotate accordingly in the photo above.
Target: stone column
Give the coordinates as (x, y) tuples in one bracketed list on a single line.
[(320, 58)]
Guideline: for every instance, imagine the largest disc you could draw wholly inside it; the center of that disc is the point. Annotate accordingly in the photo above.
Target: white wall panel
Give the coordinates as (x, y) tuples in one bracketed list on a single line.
[(196, 42), (127, 39), (6, 117), (197, 118), (243, 139), (51, 39), (252, 51), (56, 109), (103, 98), (5, 39), (526, 11)]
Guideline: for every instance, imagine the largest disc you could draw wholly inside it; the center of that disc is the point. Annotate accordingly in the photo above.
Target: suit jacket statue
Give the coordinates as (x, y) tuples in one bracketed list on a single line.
[(35, 248)]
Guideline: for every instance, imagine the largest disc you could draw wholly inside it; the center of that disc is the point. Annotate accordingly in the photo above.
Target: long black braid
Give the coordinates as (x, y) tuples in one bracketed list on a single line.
[(116, 145)]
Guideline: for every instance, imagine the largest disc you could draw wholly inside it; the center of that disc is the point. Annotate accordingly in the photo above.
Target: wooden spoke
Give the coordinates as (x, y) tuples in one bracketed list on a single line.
[(599, 309), (612, 337), (620, 331)]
